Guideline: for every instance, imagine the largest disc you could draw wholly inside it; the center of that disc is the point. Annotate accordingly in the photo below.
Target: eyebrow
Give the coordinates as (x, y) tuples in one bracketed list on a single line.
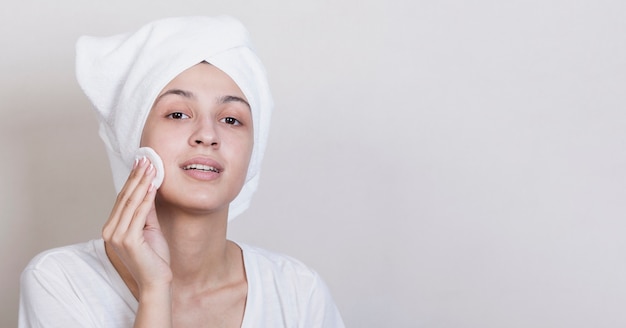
[(227, 99), (191, 95), (179, 92)]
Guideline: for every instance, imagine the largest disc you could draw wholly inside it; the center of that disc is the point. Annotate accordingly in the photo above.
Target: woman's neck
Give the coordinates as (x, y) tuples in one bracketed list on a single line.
[(200, 254)]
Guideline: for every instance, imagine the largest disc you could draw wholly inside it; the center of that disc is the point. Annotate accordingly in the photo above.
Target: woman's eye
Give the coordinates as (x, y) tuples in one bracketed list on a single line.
[(231, 121), (178, 116)]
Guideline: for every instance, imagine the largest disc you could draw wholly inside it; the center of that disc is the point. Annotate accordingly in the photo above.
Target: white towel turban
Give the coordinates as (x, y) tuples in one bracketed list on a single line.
[(123, 74)]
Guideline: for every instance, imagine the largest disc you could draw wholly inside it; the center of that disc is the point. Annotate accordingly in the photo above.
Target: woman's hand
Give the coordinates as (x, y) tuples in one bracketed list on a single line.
[(133, 231)]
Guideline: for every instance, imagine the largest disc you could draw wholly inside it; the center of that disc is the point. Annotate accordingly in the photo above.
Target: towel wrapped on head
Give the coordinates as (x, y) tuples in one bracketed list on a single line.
[(123, 74)]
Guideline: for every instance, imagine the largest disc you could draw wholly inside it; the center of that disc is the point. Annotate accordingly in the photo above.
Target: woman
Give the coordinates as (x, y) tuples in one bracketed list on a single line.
[(192, 91)]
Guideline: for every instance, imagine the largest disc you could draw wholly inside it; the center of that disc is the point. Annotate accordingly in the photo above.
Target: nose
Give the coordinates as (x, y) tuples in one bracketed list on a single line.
[(204, 134)]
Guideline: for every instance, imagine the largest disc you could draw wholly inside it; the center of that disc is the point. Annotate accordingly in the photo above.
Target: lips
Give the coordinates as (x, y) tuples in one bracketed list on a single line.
[(202, 167)]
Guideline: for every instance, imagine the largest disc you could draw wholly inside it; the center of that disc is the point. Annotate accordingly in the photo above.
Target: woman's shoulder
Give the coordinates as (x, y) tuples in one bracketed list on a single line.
[(74, 286), (78, 271), (70, 258), (282, 290)]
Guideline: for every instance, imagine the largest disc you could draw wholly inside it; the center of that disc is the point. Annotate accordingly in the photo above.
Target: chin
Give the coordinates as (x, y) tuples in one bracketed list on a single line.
[(196, 202)]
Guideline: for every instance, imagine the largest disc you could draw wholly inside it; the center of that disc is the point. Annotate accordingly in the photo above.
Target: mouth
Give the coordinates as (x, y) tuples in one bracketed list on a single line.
[(201, 167)]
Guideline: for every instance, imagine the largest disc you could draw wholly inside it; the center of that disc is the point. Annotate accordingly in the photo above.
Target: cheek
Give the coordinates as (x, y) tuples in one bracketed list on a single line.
[(148, 129), (157, 135), (163, 145), (241, 151), (249, 146), (159, 146)]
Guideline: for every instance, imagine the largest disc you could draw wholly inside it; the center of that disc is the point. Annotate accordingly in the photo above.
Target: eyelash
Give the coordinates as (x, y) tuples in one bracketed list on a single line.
[(177, 116), (228, 120), (231, 121)]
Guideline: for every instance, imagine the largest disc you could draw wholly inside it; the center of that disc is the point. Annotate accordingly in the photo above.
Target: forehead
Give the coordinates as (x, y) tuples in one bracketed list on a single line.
[(204, 78)]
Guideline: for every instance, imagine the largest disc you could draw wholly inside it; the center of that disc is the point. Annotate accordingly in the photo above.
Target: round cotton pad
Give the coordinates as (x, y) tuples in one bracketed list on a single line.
[(155, 160)]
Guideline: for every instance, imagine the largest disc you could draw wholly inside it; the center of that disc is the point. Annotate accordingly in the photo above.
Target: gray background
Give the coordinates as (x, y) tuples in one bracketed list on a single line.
[(440, 163)]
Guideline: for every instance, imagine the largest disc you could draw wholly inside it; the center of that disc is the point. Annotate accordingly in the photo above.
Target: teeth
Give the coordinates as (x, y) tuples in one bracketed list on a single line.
[(201, 168)]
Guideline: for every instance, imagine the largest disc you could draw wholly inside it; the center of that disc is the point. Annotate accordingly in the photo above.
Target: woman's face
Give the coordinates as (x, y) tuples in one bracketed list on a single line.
[(201, 127)]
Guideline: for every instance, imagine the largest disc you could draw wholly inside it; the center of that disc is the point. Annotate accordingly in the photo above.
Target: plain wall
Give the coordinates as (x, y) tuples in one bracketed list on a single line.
[(440, 163)]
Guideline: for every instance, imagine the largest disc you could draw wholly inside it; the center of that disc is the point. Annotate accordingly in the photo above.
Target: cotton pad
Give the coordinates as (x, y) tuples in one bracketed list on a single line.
[(156, 161)]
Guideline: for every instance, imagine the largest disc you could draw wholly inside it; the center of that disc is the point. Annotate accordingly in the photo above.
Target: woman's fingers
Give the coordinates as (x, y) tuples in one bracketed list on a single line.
[(131, 183), (131, 204), (143, 210), (132, 195)]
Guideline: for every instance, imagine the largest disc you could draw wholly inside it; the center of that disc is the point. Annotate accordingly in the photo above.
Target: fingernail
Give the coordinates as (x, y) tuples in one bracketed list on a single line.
[(136, 162), (151, 188), (150, 168)]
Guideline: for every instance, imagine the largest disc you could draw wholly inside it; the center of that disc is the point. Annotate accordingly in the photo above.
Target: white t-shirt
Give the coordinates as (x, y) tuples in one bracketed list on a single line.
[(77, 286)]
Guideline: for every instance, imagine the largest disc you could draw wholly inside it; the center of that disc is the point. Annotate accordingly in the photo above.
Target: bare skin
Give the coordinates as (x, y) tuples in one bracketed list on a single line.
[(170, 245)]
